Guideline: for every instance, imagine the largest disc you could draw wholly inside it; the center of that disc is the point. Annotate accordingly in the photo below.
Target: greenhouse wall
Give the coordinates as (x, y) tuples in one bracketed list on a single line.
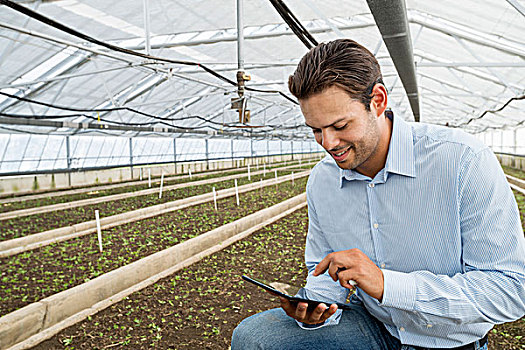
[(31, 163)]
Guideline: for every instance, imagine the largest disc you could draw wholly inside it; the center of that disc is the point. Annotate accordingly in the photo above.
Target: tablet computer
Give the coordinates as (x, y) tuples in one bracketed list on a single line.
[(312, 303)]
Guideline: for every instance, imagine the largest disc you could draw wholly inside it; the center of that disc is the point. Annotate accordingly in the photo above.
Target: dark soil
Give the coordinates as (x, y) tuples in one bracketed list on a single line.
[(33, 275), (198, 307), (23, 226), (520, 174), (131, 187)]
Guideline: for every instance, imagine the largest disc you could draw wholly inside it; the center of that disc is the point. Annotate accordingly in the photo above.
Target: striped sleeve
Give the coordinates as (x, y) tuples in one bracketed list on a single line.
[(491, 287)]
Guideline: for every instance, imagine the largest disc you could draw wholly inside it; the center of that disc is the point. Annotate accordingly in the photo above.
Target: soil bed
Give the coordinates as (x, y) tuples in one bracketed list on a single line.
[(520, 174), (198, 307), (33, 275), (7, 207), (27, 225), (520, 198)]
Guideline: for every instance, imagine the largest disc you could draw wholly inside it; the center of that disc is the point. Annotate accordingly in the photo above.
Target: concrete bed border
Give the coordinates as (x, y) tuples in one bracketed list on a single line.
[(113, 197), (37, 240), (34, 323), (516, 184), (66, 192), (30, 195)]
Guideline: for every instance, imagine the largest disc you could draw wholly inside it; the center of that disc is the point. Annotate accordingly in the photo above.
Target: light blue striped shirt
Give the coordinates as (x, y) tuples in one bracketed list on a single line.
[(440, 221)]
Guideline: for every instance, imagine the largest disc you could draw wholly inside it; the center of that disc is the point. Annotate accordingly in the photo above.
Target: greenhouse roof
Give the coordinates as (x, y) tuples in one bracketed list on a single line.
[(468, 55)]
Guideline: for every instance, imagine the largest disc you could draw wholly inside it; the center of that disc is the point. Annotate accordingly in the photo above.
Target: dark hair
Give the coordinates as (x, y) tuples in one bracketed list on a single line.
[(343, 63)]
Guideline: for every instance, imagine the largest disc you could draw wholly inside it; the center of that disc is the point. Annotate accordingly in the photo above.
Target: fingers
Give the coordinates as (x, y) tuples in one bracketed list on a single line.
[(301, 313), (322, 266), (321, 313), (316, 315), (334, 269), (347, 279)]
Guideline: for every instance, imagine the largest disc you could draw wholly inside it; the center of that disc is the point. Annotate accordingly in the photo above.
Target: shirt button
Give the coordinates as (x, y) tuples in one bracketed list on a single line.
[(402, 329), (371, 185), (382, 266), (376, 225)]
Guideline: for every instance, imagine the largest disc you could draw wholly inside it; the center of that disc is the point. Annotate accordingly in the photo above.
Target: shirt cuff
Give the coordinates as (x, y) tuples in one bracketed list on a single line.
[(399, 290), (331, 321)]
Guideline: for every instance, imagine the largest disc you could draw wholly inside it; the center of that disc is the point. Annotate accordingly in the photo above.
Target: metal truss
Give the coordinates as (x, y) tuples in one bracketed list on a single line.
[(63, 63)]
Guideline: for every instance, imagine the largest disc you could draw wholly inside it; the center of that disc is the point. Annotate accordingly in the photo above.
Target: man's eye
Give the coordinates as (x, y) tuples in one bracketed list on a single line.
[(316, 131), (340, 127)]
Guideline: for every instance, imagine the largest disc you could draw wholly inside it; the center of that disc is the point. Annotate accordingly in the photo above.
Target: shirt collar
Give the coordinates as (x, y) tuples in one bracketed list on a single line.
[(400, 157)]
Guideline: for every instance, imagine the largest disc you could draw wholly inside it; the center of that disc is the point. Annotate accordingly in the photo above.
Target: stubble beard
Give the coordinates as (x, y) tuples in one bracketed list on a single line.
[(365, 149)]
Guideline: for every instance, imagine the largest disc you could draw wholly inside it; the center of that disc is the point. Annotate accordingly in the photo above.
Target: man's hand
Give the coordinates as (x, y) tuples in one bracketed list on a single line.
[(301, 313), (354, 265)]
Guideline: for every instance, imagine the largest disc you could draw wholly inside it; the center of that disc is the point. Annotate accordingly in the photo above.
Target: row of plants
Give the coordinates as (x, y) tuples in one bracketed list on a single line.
[(27, 225), (199, 306), (131, 187), (520, 198), (520, 174), (185, 166), (33, 275)]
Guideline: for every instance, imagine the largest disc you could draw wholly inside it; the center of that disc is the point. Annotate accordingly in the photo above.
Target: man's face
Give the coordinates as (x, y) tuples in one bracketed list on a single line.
[(344, 128)]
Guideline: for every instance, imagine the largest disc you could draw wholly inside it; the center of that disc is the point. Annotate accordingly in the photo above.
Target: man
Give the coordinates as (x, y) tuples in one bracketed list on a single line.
[(419, 216)]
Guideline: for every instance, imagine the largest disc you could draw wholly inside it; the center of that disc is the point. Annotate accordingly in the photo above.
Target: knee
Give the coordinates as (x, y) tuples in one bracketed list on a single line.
[(242, 335), (256, 331), (245, 334)]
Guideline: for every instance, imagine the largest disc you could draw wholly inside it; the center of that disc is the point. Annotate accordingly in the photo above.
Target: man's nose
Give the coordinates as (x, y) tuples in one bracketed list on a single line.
[(330, 140)]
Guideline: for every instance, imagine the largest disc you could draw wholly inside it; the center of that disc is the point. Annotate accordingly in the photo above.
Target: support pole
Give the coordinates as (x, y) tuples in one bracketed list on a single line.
[(131, 156), (240, 36), (207, 154), (68, 160), (146, 26), (515, 141), (175, 154), (231, 143), (251, 150)]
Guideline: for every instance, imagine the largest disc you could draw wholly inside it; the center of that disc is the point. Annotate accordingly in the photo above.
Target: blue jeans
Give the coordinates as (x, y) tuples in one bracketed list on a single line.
[(274, 330)]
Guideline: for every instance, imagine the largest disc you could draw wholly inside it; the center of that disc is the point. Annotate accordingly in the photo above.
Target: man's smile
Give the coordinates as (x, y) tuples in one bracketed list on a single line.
[(340, 155)]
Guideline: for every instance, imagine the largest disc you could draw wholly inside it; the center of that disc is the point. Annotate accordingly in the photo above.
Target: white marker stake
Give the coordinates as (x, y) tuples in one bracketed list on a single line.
[(276, 174), (292, 179), (249, 177), (140, 174), (189, 172), (161, 183), (260, 184), (99, 234), (214, 198), (236, 192), (299, 161), (149, 177), (257, 160)]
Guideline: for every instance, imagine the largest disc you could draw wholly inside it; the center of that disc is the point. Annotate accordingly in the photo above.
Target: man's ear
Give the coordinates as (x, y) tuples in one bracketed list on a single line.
[(379, 100)]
